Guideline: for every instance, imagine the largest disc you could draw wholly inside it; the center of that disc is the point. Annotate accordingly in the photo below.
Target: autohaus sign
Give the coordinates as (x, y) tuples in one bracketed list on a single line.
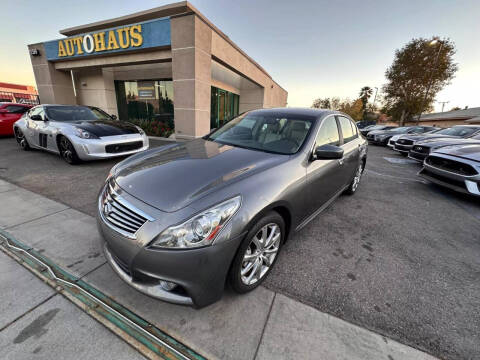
[(148, 34)]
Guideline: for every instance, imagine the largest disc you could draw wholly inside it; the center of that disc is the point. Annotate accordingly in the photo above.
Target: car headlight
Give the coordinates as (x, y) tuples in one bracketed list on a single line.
[(199, 230), (140, 130), (84, 134)]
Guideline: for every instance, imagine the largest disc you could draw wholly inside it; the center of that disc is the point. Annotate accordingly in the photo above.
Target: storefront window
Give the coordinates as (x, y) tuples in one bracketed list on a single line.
[(147, 103), (224, 107)]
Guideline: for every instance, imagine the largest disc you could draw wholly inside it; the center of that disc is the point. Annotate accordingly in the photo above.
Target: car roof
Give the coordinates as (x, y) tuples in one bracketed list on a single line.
[(303, 112)]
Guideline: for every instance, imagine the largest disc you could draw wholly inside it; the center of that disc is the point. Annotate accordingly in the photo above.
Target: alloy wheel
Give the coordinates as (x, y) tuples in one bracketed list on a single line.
[(66, 149), (260, 253)]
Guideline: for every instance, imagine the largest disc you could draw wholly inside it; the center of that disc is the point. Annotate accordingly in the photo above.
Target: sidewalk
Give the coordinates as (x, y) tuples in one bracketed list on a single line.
[(258, 325)]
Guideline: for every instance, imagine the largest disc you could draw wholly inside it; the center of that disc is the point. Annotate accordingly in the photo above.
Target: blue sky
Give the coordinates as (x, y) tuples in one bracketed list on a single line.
[(313, 48)]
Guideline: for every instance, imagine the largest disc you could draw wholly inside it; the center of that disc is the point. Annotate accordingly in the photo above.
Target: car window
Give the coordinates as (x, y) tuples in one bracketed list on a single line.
[(71, 113), (102, 115), (264, 132), (328, 133), (459, 131), (346, 129), (36, 111), (15, 109), (354, 129)]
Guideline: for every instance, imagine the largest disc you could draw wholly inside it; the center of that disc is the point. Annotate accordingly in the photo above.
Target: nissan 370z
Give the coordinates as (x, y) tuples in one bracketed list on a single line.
[(180, 221), (78, 133)]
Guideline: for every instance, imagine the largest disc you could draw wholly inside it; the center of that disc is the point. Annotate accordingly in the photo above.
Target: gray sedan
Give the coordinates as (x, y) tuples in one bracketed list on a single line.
[(78, 133), (180, 220)]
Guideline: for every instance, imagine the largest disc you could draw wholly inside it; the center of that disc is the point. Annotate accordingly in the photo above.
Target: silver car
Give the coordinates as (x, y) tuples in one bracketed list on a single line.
[(180, 220), (78, 133), (456, 167)]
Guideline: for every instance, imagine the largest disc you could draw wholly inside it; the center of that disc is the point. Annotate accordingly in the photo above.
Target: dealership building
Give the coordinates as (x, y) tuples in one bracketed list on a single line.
[(168, 63)]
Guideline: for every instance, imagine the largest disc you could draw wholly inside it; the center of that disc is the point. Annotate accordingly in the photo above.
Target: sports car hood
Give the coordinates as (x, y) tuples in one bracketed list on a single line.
[(423, 137), (172, 177), (470, 152), (102, 128), (446, 141)]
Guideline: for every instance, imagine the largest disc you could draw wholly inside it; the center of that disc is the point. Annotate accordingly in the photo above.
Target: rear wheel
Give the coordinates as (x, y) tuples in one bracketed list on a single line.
[(257, 253), (67, 151), (21, 139)]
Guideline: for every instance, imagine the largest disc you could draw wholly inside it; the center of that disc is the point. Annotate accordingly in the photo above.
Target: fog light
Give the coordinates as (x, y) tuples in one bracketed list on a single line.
[(167, 285)]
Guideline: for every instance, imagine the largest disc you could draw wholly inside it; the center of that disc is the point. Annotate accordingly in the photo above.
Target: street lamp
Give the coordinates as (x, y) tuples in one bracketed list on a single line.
[(431, 43)]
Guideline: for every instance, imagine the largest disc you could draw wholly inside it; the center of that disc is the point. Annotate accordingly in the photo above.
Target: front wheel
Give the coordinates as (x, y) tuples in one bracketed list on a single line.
[(257, 253), (21, 139), (352, 188), (67, 151)]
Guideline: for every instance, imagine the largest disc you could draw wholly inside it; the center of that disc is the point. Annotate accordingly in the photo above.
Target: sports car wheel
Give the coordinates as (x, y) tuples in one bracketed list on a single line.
[(21, 139), (356, 180), (257, 253), (67, 151)]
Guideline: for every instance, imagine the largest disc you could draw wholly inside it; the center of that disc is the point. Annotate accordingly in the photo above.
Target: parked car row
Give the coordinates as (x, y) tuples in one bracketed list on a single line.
[(450, 156)]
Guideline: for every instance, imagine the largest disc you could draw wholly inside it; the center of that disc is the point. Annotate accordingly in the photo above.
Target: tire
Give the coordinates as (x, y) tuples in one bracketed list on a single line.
[(260, 258), (21, 141), (67, 151), (352, 188)]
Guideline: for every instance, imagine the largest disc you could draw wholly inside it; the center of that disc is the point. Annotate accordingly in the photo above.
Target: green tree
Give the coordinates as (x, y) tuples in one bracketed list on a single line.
[(365, 94), (419, 71)]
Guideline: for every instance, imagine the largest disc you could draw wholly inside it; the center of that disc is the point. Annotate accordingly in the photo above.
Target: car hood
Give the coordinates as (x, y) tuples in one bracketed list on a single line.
[(470, 152), (446, 141), (426, 137), (173, 177), (106, 127)]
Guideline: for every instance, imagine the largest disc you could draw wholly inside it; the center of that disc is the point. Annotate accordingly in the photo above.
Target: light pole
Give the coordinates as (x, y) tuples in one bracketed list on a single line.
[(443, 103), (431, 43)]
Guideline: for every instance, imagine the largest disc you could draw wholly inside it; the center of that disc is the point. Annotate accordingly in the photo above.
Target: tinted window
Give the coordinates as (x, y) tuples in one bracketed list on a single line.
[(346, 129), (328, 133), (71, 113), (264, 132), (14, 109)]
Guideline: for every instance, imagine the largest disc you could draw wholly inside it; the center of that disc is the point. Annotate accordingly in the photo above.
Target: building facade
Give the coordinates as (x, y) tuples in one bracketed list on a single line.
[(168, 64), (16, 93), (449, 118)]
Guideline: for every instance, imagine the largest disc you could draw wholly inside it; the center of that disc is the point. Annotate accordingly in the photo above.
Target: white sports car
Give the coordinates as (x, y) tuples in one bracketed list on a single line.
[(78, 133)]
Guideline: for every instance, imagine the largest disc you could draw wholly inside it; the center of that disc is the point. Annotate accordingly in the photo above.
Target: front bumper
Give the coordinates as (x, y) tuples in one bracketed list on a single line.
[(92, 149), (402, 148), (200, 273), (460, 183)]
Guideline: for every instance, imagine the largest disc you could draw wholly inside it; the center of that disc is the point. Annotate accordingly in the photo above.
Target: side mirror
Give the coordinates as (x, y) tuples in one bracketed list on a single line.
[(36, 118), (328, 152), (114, 117)]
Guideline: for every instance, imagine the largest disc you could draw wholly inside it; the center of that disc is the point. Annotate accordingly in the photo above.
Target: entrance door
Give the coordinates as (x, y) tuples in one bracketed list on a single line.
[(222, 95)]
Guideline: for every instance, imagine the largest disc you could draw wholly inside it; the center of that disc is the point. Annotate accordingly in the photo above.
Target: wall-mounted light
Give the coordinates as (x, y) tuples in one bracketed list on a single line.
[(34, 52)]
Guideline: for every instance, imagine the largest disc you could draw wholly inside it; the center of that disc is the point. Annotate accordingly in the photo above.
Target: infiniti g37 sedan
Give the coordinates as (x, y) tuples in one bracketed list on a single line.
[(78, 133), (180, 220)]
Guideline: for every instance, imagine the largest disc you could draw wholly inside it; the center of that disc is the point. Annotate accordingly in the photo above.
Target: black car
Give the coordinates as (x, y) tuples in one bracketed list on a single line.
[(367, 129), (381, 137)]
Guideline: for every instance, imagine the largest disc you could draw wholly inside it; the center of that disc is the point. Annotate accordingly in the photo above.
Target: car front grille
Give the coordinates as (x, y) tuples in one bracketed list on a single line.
[(405, 142), (124, 147), (120, 214), (417, 156), (421, 149), (453, 166)]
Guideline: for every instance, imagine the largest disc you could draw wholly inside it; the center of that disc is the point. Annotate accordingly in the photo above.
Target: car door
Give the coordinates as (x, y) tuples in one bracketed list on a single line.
[(324, 178), (351, 149), (32, 126)]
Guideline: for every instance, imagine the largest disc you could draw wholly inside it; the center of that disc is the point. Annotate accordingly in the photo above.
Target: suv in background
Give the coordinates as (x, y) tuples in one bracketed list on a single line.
[(9, 113)]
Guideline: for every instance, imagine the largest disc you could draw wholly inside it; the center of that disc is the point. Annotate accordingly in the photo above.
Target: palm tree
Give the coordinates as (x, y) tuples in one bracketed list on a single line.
[(365, 94)]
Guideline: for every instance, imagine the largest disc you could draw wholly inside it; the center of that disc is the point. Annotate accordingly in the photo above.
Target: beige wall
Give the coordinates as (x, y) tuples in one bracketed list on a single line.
[(54, 86), (95, 87)]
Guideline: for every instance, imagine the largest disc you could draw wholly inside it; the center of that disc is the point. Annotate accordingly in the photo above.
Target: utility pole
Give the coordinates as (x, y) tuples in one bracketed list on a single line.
[(443, 103), (375, 97), (433, 42)]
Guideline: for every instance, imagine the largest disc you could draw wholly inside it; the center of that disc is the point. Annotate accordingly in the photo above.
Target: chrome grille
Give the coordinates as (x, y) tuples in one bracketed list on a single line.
[(120, 214)]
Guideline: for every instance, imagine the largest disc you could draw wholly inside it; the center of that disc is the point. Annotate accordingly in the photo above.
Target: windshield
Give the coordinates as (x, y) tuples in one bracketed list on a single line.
[(399, 130), (72, 113), (458, 131), (281, 135)]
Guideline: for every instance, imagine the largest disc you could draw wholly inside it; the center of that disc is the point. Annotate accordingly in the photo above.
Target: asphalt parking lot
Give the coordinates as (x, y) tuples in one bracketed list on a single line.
[(400, 257)]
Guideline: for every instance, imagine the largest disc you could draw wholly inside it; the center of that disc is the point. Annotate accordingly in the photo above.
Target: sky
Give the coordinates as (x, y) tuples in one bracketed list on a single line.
[(312, 48)]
